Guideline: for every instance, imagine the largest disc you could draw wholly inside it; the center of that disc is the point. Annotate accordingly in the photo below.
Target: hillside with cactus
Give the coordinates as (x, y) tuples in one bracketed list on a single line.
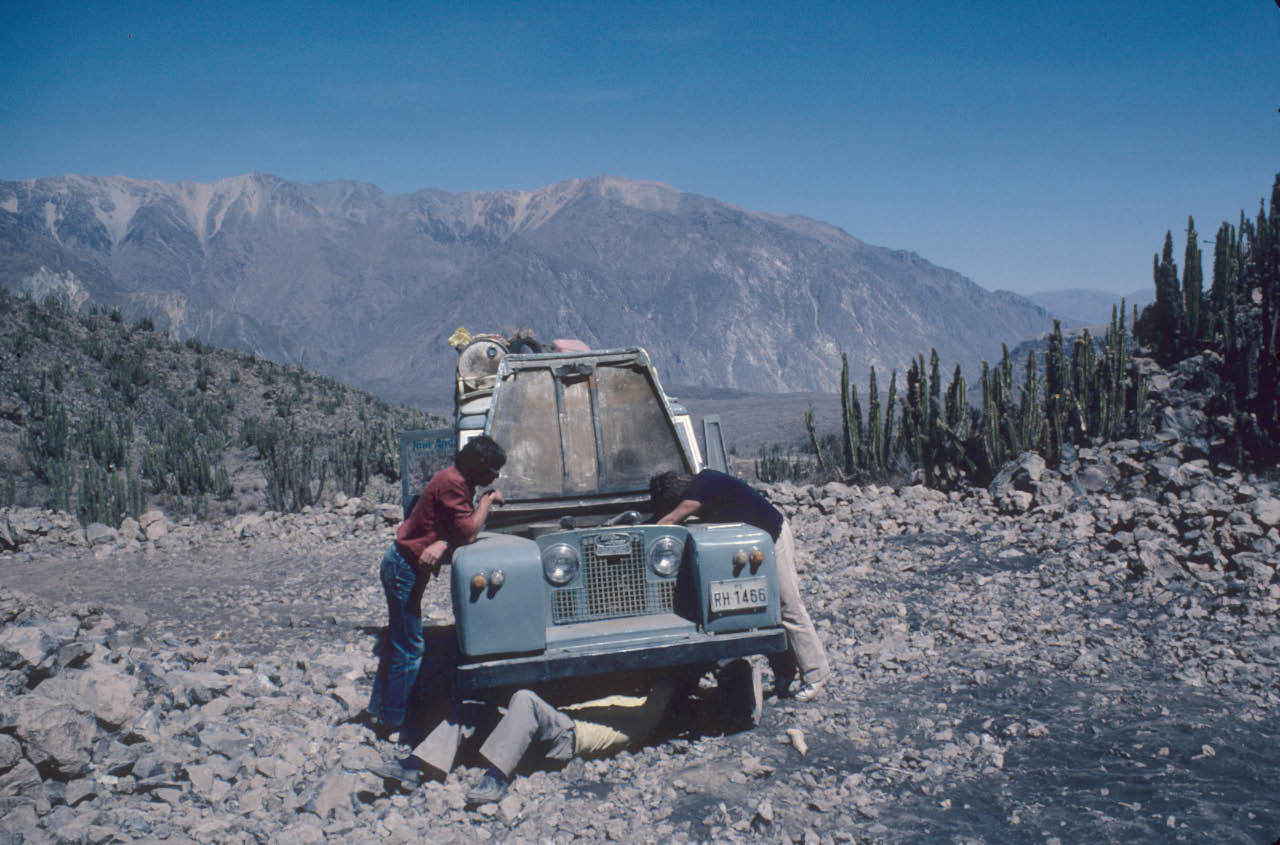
[(1095, 392), (104, 418)]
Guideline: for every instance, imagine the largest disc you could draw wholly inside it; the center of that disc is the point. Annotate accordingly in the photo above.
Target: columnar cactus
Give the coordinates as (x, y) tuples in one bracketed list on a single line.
[(851, 419), (891, 405), (875, 433)]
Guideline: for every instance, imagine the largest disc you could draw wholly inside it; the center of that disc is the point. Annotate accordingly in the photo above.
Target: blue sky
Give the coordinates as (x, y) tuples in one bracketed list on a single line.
[(1029, 146)]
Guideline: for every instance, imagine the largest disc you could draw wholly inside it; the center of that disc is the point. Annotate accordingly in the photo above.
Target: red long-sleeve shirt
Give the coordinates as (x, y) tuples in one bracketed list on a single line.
[(441, 512)]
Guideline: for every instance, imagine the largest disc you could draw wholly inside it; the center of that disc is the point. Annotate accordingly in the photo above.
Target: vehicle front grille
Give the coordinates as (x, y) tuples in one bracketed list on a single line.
[(612, 587)]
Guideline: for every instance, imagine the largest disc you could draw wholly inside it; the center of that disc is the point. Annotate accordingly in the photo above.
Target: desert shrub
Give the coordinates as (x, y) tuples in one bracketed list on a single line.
[(46, 440), (107, 496), (20, 344), (295, 467), (94, 348), (25, 389), (775, 463), (222, 483), (127, 374), (58, 473), (183, 463), (358, 456), (105, 441)]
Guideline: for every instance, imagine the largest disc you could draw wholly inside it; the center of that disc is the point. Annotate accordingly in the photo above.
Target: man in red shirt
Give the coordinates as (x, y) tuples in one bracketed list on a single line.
[(442, 519)]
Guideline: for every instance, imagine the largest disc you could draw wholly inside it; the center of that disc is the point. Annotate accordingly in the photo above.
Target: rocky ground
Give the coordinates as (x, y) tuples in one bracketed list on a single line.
[(1081, 654)]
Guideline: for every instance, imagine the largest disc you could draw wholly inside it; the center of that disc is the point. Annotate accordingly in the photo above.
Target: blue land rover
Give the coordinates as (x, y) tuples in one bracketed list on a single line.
[(571, 578)]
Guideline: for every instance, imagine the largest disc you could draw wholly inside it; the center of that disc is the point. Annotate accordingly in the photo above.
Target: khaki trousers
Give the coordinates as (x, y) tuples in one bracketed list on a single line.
[(802, 638)]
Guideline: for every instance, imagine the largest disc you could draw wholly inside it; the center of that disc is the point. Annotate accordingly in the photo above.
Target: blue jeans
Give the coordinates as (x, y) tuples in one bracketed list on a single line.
[(402, 647)]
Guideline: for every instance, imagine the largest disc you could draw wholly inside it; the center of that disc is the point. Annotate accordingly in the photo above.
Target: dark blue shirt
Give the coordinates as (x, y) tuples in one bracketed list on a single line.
[(727, 499)]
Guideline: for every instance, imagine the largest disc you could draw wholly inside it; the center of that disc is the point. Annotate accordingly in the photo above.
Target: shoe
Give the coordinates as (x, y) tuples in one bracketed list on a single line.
[(408, 776), (488, 791), (809, 692)]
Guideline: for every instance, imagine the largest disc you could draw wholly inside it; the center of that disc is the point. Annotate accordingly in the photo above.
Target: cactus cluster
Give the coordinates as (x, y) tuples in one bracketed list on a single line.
[(1096, 393), (1238, 319), (870, 455)]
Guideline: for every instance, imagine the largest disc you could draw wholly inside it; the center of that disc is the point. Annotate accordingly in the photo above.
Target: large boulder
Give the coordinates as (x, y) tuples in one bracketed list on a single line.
[(57, 737), (97, 534), (109, 697), (24, 646), (1014, 487), (10, 752), (154, 524), (1266, 511)]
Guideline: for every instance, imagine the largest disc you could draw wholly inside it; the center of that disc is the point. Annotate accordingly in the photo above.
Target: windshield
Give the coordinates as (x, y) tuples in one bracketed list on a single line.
[(575, 426)]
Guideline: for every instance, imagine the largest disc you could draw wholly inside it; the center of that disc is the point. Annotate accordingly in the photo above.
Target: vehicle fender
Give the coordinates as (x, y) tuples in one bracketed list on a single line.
[(712, 549), (508, 619)]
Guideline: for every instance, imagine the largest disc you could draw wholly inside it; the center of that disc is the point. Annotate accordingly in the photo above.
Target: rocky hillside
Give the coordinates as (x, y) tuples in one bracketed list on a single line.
[(105, 418), (1086, 653), (348, 281)]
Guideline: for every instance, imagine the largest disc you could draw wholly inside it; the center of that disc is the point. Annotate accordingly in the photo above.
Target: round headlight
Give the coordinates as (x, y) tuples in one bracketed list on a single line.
[(664, 556), (560, 564)]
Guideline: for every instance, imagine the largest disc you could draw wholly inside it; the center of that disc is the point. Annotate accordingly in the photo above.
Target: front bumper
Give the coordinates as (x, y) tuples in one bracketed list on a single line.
[(558, 663)]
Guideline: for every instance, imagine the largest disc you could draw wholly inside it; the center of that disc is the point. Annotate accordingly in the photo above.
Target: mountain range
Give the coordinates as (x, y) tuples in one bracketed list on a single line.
[(1079, 307), (366, 286)]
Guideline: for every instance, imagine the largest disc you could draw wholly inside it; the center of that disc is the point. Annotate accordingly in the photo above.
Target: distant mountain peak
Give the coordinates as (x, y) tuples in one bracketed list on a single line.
[(342, 277), (1082, 307)]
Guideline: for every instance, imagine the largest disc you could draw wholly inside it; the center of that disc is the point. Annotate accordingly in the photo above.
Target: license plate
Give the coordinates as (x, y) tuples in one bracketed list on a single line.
[(739, 594)]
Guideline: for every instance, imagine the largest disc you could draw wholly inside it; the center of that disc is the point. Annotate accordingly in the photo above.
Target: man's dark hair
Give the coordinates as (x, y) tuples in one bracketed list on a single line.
[(482, 453), (667, 489)]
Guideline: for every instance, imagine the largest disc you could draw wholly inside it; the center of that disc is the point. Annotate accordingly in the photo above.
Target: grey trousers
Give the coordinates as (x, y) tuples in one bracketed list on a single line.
[(440, 747), (528, 718), (802, 638)]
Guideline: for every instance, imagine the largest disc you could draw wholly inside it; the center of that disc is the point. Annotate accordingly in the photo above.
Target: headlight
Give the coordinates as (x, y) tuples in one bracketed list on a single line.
[(560, 564), (664, 556)]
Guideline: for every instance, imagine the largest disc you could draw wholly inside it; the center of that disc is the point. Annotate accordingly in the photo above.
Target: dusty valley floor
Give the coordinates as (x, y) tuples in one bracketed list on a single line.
[(998, 678)]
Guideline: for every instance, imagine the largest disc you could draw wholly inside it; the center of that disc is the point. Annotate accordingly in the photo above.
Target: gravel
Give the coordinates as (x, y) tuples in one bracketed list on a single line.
[(1082, 653)]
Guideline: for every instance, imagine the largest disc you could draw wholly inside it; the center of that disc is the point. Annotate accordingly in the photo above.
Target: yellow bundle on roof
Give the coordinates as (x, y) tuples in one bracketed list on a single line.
[(460, 337)]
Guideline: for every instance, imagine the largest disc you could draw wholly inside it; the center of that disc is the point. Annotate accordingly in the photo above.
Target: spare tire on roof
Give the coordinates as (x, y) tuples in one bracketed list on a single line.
[(478, 366)]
